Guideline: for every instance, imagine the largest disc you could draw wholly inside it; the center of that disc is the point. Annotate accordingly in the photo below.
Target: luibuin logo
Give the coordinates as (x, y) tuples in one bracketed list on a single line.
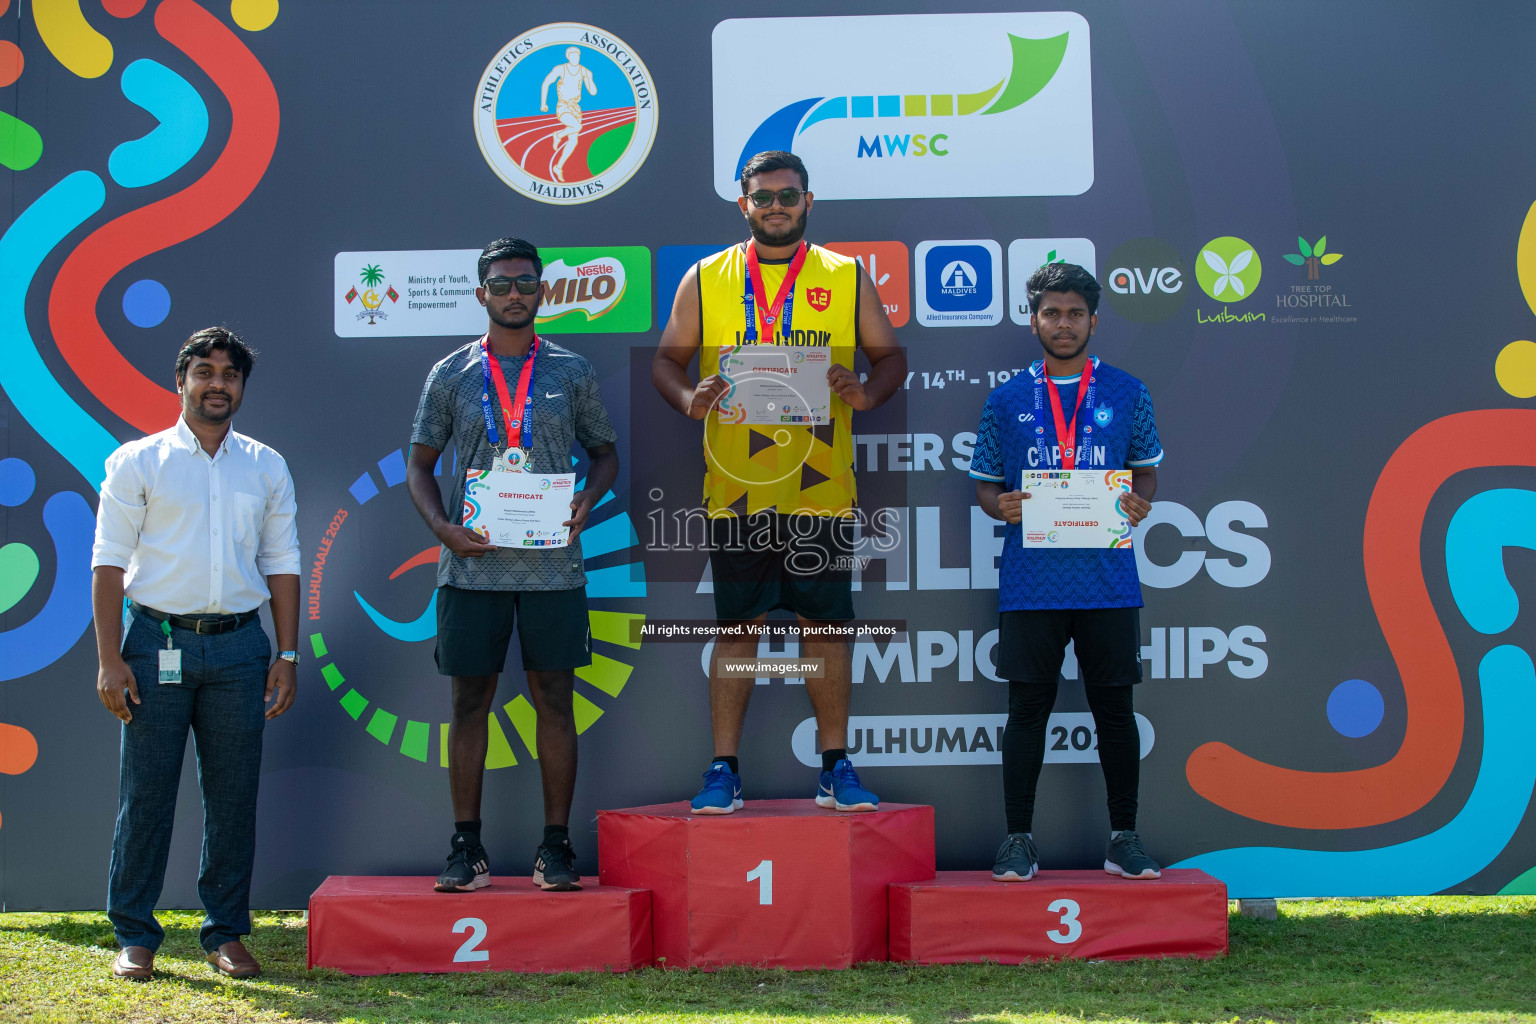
[(946, 125), (1228, 269), (1313, 256), (565, 113)]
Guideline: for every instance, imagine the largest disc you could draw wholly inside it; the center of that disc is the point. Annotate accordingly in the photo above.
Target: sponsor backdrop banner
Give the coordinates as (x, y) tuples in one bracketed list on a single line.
[(1329, 307)]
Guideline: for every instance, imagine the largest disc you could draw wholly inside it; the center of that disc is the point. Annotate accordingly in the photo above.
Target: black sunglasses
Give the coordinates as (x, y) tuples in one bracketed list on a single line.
[(788, 197), (527, 284)]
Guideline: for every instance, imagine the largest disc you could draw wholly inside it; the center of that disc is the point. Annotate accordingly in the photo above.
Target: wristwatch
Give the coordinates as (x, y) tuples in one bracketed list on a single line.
[(289, 656)]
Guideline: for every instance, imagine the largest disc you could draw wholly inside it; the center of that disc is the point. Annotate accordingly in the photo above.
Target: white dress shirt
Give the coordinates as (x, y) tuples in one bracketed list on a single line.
[(197, 535)]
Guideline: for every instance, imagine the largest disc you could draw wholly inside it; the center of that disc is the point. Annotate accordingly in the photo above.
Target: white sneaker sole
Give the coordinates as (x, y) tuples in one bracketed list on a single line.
[(1014, 876), (478, 882), (1112, 868), (826, 800), (736, 805)]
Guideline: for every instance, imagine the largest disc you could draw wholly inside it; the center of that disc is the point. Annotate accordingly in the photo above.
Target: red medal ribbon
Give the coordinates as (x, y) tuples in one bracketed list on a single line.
[(513, 412), (1066, 436), (770, 316)]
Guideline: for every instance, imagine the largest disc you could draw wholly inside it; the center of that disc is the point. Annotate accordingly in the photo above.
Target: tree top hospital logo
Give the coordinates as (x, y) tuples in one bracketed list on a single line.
[(951, 117), (565, 113)]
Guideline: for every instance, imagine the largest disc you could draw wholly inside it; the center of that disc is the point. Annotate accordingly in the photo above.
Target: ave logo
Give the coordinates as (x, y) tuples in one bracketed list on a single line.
[(1147, 281)]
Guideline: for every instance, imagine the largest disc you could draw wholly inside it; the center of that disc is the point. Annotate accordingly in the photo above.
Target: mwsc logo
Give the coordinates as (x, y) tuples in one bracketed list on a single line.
[(565, 113), (951, 119)]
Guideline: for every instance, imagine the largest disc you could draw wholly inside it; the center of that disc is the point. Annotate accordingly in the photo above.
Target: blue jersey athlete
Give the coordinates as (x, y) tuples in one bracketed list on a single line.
[(1070, 411)]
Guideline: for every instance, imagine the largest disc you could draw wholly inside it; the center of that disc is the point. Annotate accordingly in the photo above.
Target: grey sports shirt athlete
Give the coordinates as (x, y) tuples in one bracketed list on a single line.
[(565, 404)]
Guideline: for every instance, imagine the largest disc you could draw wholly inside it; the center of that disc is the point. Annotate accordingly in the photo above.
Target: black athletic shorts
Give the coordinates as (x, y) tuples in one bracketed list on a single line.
[(1107, 641), (474, 629), (765, 561)]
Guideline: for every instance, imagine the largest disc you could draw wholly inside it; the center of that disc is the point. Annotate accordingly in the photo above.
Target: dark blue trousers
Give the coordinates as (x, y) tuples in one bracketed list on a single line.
[(221, 700)]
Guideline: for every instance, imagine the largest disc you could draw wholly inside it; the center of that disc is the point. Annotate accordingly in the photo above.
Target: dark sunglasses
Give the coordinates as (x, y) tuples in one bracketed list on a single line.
[(527, 284), (788, 197)]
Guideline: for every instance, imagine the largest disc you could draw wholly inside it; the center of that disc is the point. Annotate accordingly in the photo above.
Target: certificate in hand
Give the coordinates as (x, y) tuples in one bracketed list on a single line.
[(519, 510), (776, 384), (1075, 508)]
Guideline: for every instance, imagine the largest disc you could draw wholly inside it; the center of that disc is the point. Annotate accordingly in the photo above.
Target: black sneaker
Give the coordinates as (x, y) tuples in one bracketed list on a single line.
[(468, 867), (1017, 860), (552, 868), (1126, 858)]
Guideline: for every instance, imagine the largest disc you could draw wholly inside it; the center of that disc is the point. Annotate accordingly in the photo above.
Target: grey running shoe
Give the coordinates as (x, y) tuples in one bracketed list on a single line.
[(1017, 860), (468, 866), (1126, 858), (554, 869)]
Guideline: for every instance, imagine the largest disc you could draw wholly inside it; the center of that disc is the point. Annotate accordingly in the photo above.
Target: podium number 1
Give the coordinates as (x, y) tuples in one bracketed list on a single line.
[(1071, 927), (467, 953), (764, 875)]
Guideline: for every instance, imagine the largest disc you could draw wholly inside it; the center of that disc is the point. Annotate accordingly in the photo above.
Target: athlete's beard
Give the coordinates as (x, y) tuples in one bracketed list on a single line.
[(788, 235), (501, 321), (1071, 355)]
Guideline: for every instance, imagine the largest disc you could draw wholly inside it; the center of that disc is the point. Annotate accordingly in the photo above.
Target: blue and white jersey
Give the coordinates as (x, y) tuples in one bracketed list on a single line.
[(1018, 433)]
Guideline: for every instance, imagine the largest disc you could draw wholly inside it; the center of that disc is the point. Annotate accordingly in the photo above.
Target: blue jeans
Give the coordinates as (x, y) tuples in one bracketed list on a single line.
[(221, 697)]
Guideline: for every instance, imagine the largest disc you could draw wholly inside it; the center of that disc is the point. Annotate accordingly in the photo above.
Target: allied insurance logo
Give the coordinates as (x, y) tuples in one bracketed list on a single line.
[(959, 283), (565, 113), (952, 116)]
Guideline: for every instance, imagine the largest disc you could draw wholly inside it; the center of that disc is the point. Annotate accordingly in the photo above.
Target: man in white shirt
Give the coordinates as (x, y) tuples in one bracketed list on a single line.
[(196, 528)]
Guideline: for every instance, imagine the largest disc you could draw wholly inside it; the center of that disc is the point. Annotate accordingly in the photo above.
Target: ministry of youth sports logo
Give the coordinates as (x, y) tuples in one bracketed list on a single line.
[(565, 113)]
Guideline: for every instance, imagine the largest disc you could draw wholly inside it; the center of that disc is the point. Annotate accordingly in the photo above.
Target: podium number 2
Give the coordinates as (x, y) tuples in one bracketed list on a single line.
[(1072, 928), (467, 953), (764, 875)]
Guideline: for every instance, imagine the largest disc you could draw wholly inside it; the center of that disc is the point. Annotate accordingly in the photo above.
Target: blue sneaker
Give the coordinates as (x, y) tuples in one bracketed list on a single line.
[(840, 788), (721, 793)]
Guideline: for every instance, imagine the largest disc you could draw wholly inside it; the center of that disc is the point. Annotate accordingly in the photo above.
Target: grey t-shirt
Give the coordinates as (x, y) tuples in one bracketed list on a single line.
[(564, 406)]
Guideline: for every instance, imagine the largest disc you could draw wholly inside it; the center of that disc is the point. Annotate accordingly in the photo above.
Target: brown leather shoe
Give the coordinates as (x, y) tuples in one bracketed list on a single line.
[(233, 960), (135, 962)]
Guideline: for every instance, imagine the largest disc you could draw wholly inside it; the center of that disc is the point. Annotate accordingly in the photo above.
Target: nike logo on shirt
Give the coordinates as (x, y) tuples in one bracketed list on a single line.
[(557, 394)]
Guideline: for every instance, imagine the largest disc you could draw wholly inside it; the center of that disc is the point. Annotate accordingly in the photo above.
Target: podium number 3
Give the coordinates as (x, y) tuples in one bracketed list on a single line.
[(764, 875), (1071, 927), (467, 953)]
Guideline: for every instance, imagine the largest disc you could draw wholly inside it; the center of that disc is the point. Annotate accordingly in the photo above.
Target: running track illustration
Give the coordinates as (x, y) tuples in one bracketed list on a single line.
[(530, 141)]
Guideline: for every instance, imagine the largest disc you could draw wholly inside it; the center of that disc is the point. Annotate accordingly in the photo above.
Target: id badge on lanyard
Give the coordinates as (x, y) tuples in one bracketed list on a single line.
[(170, 658), (519, 457)]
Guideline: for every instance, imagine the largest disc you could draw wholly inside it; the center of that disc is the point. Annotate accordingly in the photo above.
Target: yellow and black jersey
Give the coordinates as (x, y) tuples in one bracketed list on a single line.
[(790, 469)]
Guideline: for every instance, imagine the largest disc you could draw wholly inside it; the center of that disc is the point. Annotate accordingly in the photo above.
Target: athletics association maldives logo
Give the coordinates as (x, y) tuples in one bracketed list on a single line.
[(565, 113), (954, 116), (371, 609)]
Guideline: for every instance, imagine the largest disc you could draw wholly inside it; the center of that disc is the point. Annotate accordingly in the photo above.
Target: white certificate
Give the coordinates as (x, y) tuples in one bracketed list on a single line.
[(776, 384), (1075, 508), (519, 510)]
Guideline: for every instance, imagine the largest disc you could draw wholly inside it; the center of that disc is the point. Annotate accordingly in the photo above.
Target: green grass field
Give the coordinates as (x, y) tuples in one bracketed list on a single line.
[(1461, 959)]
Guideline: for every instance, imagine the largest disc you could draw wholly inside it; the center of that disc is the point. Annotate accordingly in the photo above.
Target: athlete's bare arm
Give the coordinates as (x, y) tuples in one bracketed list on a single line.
[(680, 342), (586, 77), (887, 360)]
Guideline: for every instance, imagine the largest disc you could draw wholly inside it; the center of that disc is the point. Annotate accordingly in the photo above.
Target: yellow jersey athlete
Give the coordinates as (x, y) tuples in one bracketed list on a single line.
[(780, 498)]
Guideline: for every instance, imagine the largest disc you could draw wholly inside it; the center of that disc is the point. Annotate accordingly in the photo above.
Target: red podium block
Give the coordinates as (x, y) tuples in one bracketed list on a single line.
[(964, 917), (364, 925), (779, 883)]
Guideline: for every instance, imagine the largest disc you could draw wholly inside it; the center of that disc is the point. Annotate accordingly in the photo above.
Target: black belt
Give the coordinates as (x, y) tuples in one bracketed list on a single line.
[(202, 624)]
